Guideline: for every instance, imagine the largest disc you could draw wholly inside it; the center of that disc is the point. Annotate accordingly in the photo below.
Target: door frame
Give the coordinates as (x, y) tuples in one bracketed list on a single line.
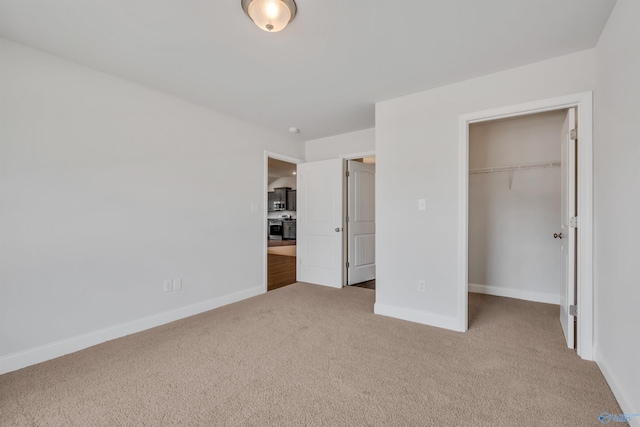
[(345, 207), (584, 254), (265, 202)]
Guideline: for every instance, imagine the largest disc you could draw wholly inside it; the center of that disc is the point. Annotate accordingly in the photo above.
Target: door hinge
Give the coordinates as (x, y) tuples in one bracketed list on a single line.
[(347, 174), (573, 222), (573, 310), (573, 134), (347, 264)]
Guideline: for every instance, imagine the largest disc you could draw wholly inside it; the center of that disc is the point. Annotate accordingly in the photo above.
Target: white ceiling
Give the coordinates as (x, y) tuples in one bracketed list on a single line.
[(325, 71)]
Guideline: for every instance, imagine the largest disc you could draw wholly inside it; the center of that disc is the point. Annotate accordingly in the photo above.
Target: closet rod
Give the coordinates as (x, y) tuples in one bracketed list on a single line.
[(523, 166)]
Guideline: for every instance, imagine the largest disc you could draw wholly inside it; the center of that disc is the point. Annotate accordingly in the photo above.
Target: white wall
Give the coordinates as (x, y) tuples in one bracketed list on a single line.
[(511, 248), (333, 147), (108, 188), (525, 139), (417, 157), (617, 205)]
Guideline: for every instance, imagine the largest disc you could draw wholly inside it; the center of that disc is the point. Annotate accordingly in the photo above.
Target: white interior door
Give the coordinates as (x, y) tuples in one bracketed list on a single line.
[(320, 223), (361, 225), (568, 236)]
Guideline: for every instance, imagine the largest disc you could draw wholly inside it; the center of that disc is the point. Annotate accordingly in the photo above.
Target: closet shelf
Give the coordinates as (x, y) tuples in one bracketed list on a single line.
[(512, 168)]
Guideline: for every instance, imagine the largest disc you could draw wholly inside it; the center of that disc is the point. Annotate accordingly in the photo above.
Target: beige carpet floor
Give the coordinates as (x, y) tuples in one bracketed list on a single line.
[(311, 355)]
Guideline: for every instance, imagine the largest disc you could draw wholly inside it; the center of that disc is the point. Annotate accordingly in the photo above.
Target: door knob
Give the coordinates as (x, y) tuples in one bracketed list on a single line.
[(557, 235), (337, 229)]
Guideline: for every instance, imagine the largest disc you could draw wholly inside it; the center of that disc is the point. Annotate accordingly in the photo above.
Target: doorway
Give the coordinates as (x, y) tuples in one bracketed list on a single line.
[(281, 222), (581, 225), (327, 256), (515, 213), (360, 223)]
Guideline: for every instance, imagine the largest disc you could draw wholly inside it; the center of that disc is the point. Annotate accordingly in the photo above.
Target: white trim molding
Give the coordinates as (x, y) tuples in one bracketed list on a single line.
[(514, 293), (362, 154), (627, 405), (584, 103), (417, 316), (22, 359)]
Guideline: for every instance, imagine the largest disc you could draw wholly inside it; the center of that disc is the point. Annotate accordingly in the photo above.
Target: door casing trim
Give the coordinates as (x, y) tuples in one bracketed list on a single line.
[(265, 201), (584, 255), (345, 204)]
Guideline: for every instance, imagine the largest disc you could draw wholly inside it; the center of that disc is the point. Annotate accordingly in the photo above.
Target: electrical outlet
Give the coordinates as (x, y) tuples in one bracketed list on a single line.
[(422, 285), (177, 285), (168, 286)]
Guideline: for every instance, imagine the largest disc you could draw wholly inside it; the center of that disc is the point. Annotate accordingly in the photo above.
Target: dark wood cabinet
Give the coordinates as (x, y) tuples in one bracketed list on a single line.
[(289, 230), (270, 199), (281, 194), (291, 200)]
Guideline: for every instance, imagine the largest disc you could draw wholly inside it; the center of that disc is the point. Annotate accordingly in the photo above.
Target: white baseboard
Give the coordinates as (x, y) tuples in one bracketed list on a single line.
[(621, 394), (515, 293), (418, 316), (22, 359)]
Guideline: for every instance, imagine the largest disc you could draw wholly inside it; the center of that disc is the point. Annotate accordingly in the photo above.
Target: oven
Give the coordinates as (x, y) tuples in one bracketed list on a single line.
[(275, 229)]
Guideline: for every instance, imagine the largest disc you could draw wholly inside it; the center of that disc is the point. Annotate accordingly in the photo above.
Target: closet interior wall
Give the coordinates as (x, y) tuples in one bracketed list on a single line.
[(512, 219)]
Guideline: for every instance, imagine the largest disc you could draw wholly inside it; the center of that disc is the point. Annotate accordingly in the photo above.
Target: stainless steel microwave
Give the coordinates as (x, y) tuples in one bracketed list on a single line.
[(279, 206)]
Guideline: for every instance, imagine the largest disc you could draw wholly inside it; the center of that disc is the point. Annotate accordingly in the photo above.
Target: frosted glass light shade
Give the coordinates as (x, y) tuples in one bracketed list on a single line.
[(270, 15)]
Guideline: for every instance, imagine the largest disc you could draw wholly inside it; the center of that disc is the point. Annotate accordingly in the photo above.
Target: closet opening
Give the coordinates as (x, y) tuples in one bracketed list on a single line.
[(521, 198)]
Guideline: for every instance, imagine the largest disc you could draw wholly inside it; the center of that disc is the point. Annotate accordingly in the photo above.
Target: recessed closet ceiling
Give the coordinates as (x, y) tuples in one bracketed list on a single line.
[(325, 71)]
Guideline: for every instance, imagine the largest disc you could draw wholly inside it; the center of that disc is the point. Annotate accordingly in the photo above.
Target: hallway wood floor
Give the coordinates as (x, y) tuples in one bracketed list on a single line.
[(281, 268), (281, 271), (275, 243), (371, 284)]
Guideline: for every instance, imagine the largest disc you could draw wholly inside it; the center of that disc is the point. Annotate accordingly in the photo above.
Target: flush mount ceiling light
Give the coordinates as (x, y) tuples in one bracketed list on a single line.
[(270, 15)]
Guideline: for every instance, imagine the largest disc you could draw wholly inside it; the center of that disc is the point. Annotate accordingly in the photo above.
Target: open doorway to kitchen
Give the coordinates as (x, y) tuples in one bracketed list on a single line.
[(281, 223)]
